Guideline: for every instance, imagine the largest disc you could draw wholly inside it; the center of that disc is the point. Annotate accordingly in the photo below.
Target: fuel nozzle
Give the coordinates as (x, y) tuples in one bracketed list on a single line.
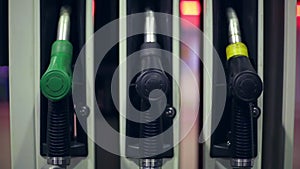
[(234, 33), (56, 81), (63, 28), (56, 86), (245, 86), (152, 77)]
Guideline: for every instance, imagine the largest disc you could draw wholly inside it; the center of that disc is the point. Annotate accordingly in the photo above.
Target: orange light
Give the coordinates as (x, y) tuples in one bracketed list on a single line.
[(298, 10), (93, 8), (191, 8)]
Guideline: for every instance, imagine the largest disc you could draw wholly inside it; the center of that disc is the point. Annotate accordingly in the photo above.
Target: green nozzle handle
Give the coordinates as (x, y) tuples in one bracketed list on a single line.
[(56, 82)]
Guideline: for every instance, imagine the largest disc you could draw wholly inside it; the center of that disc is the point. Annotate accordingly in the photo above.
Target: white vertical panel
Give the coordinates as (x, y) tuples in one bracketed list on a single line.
[(125, 163), (260, 71), (89, 161), (90, 85), (208, 163), (23, 49), (173, 163), (39, 160), (289, 81)]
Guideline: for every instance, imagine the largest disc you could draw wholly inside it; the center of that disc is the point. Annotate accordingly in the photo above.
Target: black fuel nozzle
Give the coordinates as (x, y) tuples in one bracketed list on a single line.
[(245, 87), (152, 77), (245, 84)]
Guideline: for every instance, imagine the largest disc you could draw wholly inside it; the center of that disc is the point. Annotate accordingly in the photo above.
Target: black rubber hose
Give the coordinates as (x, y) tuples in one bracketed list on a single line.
[(58, 129), (242, 135), (151, 145), (151, 78)]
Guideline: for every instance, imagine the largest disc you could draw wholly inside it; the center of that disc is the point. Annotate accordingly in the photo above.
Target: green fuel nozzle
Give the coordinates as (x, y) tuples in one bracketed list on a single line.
[(56, 82)]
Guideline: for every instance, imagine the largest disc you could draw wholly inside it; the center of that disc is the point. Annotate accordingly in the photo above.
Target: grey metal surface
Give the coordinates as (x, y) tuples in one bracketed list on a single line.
[(289, 88), (208, 162), (296, 157), (23, 68)]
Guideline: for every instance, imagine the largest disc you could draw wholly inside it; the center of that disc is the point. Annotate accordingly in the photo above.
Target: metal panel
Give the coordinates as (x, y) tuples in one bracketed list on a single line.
[(207, 81), (23, 50), (89, 161), (125, 163), (174, 162), (289, 81), (260, 71)]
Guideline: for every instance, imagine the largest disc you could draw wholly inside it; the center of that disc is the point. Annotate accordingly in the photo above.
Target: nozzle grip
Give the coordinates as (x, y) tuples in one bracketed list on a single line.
[(245, 84), (56, 82)]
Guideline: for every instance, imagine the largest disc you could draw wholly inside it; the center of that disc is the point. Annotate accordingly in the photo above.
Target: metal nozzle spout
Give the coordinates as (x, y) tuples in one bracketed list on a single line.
[(150, 27), (234, 33), (150, 163), (63, 29), (242, 163)]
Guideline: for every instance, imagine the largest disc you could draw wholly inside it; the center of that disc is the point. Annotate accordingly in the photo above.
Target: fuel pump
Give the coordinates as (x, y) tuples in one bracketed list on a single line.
[(149, 150), (56, 86), (235, 137), (245, 86)]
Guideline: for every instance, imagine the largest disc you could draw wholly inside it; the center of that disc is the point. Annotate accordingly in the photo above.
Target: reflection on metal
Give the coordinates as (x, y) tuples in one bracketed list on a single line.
[(151, 163), (60, 161), (242, 163), (150, 27), (51, 167), (63, 30), (234, 33)]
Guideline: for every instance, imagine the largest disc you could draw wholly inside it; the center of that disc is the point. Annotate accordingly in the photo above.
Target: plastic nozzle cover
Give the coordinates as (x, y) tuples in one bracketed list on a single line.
[(57, 80)]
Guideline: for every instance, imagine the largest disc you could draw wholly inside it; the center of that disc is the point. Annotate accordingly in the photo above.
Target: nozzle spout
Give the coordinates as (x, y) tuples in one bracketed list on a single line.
[(150, 27), (63, 29), (234, 33)]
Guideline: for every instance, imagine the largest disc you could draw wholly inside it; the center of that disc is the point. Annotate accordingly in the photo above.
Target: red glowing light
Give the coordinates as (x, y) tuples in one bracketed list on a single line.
[(93, 8), (190, 8), (190, 11)]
